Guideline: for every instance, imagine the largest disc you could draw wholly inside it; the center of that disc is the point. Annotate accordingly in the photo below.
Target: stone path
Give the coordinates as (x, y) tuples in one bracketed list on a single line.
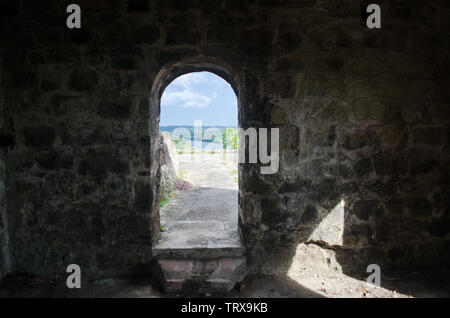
[(206, 215)]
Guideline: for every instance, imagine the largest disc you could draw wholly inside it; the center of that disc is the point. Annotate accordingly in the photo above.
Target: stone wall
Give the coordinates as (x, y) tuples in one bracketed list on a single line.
[(363, 117), (4, 244), (168, 157), (80, 178), (4, 141)]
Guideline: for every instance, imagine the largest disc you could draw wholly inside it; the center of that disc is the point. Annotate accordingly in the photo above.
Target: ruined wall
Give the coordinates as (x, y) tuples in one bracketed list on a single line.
[(80, 170), (168, 157), (363, 117), (4, 244), (4, 141)]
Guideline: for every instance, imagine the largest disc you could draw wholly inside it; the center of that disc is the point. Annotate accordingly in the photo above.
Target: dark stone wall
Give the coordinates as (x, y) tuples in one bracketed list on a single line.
[(5, 139), (363, 117), (4, 244), (168, 157), (80, 169)]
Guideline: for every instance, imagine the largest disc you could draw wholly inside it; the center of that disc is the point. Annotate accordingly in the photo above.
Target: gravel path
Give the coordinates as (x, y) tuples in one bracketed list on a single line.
[(205, 215)]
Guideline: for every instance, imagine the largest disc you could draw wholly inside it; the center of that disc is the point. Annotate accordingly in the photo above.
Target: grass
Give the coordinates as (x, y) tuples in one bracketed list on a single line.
[(164, 201)]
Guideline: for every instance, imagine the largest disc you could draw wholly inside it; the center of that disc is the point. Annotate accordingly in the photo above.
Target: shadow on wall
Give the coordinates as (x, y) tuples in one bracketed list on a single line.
[(345, 233)]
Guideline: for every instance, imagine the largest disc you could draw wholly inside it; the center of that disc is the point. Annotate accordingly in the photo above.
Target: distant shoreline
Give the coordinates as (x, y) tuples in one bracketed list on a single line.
[(171, 128)]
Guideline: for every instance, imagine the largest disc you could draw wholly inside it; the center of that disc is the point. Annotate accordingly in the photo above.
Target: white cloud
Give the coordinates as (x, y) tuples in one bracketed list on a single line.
[(184, 91), (187, 80), (185, 98)]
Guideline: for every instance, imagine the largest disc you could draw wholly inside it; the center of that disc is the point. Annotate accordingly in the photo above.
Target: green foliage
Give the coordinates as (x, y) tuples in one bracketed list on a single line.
[(164, 201), (230, 138)]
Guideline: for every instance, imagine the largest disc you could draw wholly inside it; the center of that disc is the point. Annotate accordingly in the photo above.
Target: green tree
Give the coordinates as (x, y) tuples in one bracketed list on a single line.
[(230, 138)]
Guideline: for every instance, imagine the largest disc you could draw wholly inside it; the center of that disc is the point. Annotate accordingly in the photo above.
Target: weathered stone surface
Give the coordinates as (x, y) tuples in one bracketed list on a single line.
[(419, 207), (23, 80), (428, 136), (363, 166), (168, 165), (314, 168), (257, 185), (137, 5), (363, 118), (115, 109), (388, 163), (83, 80), (296, 186), (5, 260), (273, 210), (39, 137), (146, 35), (51, 160), (368, 209), (309, 214), (143, 195)]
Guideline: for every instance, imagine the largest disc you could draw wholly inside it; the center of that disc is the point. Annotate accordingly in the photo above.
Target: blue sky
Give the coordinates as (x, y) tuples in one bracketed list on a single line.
[(199, 96)]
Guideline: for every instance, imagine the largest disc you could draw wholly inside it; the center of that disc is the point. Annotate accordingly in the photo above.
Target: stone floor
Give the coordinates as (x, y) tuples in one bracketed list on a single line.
[(309, 284)]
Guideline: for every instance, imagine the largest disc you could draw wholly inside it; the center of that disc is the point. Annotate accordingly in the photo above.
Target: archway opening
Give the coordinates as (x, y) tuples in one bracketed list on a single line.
[(198, 129)]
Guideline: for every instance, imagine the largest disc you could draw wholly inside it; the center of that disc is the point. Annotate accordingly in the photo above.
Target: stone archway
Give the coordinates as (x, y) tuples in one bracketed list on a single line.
[(220, 265), (165, 76)]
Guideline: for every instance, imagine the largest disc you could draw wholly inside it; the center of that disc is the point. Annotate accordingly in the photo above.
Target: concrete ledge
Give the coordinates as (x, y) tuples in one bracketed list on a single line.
[(202, 276), (198, 253)]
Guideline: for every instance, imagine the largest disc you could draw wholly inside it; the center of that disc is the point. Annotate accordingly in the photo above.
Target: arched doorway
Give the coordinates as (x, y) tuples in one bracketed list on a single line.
[(198, 127), (199, 245)]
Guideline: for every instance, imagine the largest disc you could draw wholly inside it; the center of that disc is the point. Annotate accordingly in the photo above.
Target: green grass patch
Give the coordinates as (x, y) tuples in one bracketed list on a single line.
[(164, 201)]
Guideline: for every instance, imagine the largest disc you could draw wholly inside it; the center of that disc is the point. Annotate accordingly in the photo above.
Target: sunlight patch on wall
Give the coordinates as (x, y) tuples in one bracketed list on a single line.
[(331, 228)]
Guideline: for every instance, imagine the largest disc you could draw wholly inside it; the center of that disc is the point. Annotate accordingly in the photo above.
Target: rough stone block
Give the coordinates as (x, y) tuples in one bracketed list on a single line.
[(429, 135), (39, 137), (23, 80), (363, 166), (83, 80), (146, 35), (367, 209), (119, 109), (143, 195)]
